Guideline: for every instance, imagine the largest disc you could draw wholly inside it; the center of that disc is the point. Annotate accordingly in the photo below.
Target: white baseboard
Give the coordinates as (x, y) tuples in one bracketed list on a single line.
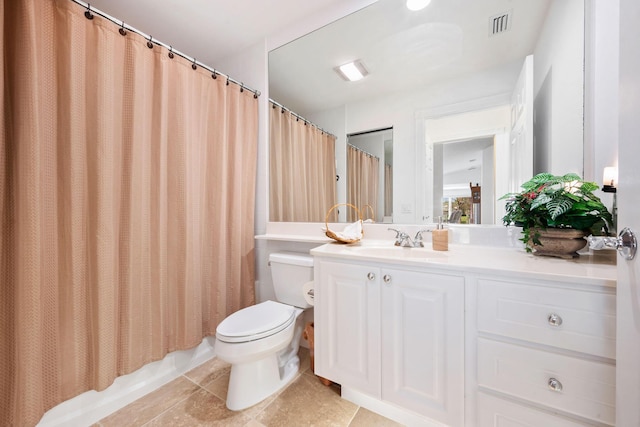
[(388, 410), (91, 406)]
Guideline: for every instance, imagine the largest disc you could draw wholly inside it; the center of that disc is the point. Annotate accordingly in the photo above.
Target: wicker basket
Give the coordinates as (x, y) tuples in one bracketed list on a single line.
[(335, 236), (373, 214)]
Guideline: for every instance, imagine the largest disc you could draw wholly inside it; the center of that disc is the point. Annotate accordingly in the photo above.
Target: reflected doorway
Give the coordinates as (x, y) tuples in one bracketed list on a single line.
[(462, 166)]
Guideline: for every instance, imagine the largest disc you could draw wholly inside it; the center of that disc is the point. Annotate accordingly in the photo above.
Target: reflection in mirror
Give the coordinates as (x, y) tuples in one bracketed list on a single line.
[(445, 60), (302, 168), (463, 163), (467, 148), (369, 174)]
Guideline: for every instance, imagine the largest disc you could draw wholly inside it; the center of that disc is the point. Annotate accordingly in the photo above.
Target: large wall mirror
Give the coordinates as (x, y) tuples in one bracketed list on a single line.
[(460, 83)]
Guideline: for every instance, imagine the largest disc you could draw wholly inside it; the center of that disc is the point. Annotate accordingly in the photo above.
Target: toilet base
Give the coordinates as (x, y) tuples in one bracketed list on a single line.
[(264, 371), (264, 377)]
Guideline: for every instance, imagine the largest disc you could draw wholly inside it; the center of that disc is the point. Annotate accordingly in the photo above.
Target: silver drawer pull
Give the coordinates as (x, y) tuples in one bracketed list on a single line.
[(554, 384), (554, 319), (386, 278), (371, 276)]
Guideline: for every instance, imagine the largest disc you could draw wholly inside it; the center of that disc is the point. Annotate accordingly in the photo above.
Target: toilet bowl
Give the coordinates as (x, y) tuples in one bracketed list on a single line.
[(261, 342)]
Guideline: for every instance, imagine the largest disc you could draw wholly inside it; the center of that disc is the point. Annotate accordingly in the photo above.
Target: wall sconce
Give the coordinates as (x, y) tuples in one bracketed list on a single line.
[(609, 185), (610, 180)]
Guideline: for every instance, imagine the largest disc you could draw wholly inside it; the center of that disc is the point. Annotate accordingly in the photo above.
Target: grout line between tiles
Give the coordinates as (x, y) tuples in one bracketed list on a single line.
[(173, 406), (192, 380), (354, 415)]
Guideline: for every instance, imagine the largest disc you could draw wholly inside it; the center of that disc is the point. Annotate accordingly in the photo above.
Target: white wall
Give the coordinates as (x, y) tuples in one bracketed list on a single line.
[(488, 187), (559, 60), (601, 114)]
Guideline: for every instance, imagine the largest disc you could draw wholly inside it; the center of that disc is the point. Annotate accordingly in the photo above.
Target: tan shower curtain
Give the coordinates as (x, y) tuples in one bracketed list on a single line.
[(302, 172), (126, 204), (362, 181)]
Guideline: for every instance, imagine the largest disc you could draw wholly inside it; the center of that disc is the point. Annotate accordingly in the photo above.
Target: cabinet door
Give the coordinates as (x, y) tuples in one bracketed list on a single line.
[(347, 325), (423, 343)]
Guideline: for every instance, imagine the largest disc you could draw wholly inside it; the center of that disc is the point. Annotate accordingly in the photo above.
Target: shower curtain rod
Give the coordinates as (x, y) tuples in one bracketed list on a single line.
[(298, 116), (124, 27), (365, 152)]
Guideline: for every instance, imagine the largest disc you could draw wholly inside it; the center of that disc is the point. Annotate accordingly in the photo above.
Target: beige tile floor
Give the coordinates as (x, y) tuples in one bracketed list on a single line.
[(197, 398)]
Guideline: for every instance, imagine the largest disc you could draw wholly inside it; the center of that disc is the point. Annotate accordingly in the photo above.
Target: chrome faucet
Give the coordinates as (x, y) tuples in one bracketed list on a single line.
[(404, 240)]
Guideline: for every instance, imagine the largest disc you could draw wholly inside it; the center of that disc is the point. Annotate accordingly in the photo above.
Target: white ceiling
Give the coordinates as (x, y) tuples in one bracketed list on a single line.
[(403, 50), (211, 30), (463, 160)]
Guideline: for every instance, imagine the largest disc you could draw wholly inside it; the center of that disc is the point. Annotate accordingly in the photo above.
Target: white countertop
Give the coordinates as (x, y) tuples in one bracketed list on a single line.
[(598, 268)]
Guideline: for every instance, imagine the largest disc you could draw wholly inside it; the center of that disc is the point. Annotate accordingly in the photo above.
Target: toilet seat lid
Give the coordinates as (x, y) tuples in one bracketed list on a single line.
[(255, 322)]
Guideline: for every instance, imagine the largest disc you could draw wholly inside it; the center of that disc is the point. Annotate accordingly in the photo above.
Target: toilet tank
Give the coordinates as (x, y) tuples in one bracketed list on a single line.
[(290, 271)]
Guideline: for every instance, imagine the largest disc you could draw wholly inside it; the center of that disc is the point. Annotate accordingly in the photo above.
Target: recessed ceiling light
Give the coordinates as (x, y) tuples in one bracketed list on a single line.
[(417, 4), (352, 71)]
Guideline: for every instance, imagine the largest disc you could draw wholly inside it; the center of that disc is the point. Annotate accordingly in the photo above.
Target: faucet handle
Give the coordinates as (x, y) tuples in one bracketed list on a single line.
[(417, 241), (419, 234), (401, 236), (398, 232)]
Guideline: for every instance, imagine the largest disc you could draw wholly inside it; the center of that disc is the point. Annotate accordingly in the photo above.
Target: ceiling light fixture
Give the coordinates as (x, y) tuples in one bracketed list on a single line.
[(352, 71), (417, 4)]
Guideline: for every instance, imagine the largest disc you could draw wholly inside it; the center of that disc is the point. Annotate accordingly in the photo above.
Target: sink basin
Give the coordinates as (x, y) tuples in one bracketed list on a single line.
[(391, 252)]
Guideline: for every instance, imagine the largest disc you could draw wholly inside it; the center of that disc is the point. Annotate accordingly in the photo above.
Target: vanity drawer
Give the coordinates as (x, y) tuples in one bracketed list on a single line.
[(583, 321), (496, 412), (576, 386)]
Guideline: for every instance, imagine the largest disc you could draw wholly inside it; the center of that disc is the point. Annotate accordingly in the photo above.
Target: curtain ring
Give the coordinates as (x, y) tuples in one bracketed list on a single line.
[(241, 87), (170, 54), (150, 42), (282, 110), (193, 65), (122, 31), (214, 75), (87, 13), (255, 95), (227, 80)]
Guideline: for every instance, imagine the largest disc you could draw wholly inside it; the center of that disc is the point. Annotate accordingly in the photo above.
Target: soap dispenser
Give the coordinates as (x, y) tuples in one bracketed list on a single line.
[(440, 237)]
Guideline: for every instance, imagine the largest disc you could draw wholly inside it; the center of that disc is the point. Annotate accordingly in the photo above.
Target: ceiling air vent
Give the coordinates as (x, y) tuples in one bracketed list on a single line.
[(500, 23)]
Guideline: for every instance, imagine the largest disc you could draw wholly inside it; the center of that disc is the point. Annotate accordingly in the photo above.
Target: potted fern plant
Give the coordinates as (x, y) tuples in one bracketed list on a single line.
[(556, 213)]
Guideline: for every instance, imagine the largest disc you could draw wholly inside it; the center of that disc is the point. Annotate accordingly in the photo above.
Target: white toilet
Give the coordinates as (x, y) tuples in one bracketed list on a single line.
[(261, 342)]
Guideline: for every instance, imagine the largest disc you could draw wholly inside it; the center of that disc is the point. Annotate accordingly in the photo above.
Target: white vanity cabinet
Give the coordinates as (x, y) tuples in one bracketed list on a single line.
[(347, 325), (394, 334), (472, 337), (546, 348)]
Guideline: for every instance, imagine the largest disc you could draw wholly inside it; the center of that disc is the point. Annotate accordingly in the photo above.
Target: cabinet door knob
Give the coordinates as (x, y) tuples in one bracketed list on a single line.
[(371, 276), (386, 278), (554, 384), (554, 319)]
